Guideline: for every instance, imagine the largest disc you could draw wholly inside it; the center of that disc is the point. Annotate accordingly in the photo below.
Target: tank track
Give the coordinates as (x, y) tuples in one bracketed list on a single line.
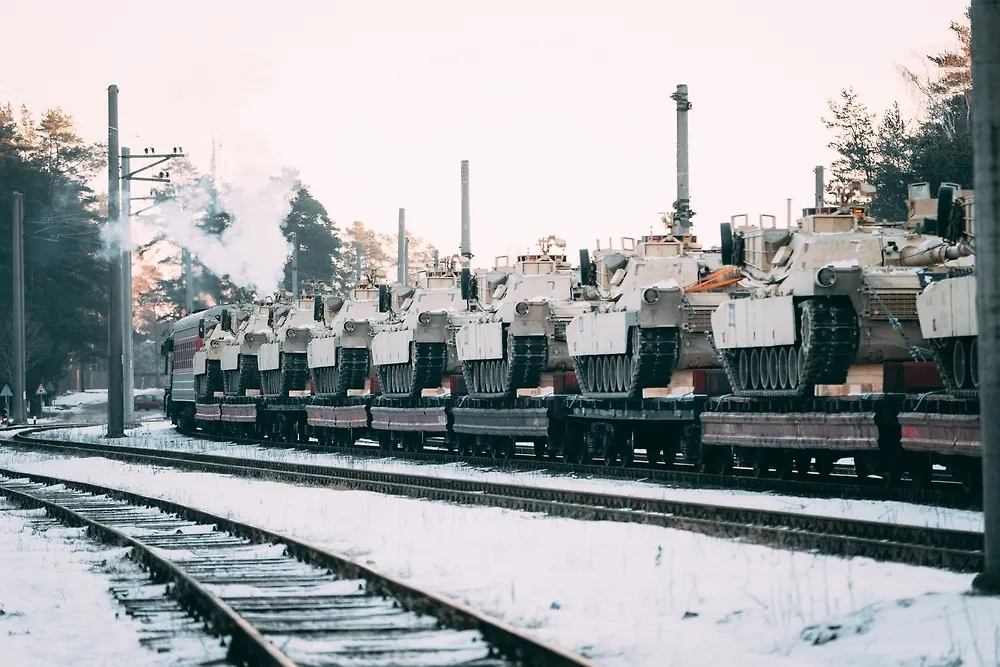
[(943, 350), (292, 375), (212, 381), (424, 370), (349, 373), (524, 360), (828, 340), (650, 362), (246, 377)]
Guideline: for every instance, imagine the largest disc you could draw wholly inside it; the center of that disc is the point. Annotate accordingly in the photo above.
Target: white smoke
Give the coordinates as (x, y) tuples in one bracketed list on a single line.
[(251, 251)]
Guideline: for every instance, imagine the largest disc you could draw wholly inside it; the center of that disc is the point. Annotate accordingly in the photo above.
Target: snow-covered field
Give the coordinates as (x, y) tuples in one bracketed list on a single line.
[(55, 608), (624, 594), (162, 435)]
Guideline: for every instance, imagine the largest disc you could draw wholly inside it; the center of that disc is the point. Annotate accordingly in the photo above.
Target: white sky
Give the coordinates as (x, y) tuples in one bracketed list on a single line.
[(562, 107)]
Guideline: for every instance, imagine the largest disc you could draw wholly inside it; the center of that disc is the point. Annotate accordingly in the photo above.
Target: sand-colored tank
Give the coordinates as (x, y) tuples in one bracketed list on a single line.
[(947, 306), (836, 290), (520, 332), (656, 297), (281, 359), (207, 363), (414, 348), (249, 325), (338, 353)]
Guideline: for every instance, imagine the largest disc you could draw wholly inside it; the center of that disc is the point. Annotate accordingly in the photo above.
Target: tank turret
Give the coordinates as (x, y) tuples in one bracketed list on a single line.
[(838, 289), (338, 352), (520, 332)]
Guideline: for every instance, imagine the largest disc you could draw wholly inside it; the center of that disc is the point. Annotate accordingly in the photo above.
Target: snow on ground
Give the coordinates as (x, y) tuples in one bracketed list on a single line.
[(624, 594), (76, 399), (55, 608), (162, 435)]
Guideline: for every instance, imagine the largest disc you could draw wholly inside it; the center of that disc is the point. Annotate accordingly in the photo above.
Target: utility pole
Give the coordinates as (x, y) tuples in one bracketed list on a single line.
[(116, 415), (295, 267), (128, 367), (820, 186), (682, 207), (357, 261), (20, 395), (986, 175), (401, 249), (466, 249), (188, 281)]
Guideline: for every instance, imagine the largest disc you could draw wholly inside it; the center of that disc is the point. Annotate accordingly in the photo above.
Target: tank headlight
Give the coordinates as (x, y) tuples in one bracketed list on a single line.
[(424, 318), (826, 277), (349, 326), (651, 295), (214, 342), (521, 308), (290, 334), (248, 337)]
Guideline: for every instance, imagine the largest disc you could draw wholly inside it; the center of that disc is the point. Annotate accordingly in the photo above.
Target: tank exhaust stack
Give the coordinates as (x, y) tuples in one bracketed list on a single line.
[(682, 207), (466, 231), (401, 252)]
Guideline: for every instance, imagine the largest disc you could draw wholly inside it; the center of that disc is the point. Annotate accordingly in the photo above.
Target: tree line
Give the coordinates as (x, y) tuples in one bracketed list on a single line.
[(890, 151), (66, 267)]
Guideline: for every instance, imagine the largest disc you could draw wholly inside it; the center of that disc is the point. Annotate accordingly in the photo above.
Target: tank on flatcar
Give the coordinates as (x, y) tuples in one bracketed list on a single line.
[(838, 289), (338, 352), (282, 357), (657, 300), (239, 363), (520, 332)]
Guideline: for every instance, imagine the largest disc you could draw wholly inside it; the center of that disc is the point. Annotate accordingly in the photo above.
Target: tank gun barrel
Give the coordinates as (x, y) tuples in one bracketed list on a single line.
[(927, 254)]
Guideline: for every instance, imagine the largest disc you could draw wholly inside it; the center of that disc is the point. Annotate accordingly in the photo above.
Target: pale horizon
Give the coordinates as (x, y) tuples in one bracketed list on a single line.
[(564, 113)]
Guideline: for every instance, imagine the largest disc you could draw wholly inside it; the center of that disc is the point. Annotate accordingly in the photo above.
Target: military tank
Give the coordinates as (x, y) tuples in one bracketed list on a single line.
[(249, 326), (338, 352), (657, 307), (207, 363), (838, 289), (947, 306), (413, 347), (521, 331), (281, 358)]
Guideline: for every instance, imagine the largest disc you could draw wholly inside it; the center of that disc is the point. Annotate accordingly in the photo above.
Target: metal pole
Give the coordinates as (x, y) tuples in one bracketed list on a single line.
[(986, 175), (20, 374), (466, 249), (401, 249), (820, 186), (788, 215), (116, 416), (188, 281), (406, 259), (295, 266), (128, 364), (682, 215)]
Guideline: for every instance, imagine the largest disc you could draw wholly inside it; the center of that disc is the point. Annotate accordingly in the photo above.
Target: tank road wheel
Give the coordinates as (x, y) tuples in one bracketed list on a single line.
[(781, 361), (974, 363), (958, 364), (744, 369), (755, 368), (792, 366), (773, 366)]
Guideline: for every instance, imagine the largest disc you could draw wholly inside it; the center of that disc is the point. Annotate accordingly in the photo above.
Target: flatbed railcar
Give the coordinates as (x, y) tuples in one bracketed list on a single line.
[(900, 432)]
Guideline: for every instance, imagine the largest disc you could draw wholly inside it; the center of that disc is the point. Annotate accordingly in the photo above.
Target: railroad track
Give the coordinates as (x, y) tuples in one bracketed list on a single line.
[(273, 600), (947, 494), (942, 548)]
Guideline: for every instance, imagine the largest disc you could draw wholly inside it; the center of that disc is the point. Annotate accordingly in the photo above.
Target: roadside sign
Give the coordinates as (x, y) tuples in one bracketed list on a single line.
[(6, 392), (40, 391)]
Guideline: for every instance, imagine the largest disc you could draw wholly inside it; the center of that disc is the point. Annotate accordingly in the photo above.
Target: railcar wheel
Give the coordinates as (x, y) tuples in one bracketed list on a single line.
[(959, 367)]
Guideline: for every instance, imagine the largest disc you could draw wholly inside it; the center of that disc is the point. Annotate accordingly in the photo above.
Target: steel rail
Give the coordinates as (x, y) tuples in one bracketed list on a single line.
[(249, 646), (935, 547)]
